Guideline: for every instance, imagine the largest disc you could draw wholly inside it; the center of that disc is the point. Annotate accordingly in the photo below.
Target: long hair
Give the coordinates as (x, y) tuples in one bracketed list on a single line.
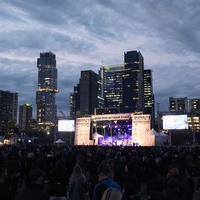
[(112, 193), (77, 172), (77, 180)]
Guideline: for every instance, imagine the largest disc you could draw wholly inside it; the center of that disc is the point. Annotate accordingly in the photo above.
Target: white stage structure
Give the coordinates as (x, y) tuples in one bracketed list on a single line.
[(82, 132), (141, 128)]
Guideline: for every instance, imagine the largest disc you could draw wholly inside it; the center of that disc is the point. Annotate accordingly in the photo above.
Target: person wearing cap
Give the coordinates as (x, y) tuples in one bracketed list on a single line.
[(103, 181), (34, 188)]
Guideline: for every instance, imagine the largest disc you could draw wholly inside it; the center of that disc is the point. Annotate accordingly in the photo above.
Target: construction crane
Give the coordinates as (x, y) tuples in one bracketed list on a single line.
[(64, 117)]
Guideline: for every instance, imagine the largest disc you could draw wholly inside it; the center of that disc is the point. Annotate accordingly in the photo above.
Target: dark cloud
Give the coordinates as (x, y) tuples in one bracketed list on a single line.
[(175, 80), (19, 76), (83, 34), (36, 40), (175, 22)]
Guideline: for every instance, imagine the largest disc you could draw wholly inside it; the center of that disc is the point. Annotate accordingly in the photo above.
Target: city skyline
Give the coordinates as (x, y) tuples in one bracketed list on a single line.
[(84, 35)]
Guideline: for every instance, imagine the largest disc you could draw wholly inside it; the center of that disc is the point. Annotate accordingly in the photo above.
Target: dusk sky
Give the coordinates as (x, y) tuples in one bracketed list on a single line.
[(85, 33)]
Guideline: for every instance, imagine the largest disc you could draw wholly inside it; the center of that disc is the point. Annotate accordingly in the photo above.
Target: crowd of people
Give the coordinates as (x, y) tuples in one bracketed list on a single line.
[(60, 172)]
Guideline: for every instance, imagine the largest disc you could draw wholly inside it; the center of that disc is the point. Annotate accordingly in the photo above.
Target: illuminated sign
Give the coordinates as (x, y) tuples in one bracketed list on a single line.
[(171, 122), (113, 117), (66, 125)]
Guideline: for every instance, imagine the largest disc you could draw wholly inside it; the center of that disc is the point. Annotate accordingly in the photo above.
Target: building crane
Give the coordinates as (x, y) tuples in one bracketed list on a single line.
[(64, 117)]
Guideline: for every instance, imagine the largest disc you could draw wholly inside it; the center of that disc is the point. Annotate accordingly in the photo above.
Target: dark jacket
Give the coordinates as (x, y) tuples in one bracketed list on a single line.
[(32, 192), (174, 195), (59, 178), (5, 193), (131, 186)]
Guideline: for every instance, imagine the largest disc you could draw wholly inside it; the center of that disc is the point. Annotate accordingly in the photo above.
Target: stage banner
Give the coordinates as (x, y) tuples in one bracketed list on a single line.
[(113, 117), (82, 132), (141, 126)]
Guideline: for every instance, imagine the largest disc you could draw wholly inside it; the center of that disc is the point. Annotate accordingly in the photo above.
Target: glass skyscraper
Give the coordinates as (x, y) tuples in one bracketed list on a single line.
[(122, 88), (47, 89), (8, 110), (75, 102), (149, 107), (111, 88), (84, 98), (88, 92), (25, 117), (133, 86)]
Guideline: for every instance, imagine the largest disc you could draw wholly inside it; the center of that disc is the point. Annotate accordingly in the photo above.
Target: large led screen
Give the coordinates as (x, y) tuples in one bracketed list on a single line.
[(66, 125), (171, 122)]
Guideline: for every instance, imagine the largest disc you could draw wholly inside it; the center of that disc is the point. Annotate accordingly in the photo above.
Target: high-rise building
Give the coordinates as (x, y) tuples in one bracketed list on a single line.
[(88, 92), (112, 85), (110, 78), (72, 112), (100, 92), (75, 102), (178, 105), (84, 98), (195, 105), (47, 89), (133, 85), (25, 117), (149, 107), (184, 105), (8, 110), (124, 88)]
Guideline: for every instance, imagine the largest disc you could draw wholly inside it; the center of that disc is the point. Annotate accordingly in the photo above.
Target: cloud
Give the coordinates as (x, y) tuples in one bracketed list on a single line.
[(83, 34)]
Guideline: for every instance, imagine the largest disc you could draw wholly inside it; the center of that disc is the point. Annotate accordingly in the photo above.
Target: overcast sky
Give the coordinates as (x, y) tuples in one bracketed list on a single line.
[(85, 33)]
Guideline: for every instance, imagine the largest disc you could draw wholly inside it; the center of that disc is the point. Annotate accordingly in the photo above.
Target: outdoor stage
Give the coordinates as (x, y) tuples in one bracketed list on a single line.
[(123, 129)]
